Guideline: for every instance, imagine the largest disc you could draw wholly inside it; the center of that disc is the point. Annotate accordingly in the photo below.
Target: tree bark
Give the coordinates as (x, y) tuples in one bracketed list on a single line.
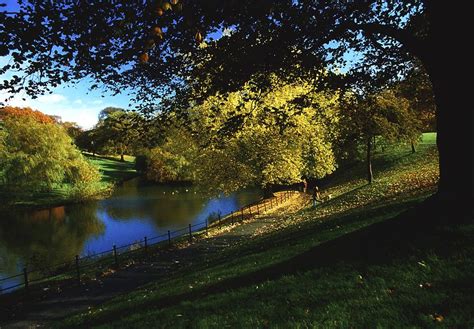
[(370, 175), (413, 148), (453, 117)]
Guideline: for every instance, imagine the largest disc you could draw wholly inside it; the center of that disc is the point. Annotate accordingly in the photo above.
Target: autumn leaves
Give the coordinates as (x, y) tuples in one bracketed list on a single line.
[(156, 34)]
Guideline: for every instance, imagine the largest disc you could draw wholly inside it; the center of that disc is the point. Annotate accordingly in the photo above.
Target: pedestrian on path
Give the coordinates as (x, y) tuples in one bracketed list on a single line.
[(316, 196)]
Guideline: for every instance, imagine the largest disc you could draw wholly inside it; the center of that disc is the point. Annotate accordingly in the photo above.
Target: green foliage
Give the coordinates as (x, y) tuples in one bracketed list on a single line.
[(394, 119), (265, 136), (117, 132), (172, 160), (162, 166), (41, 156), (384, 116), (417, 89), (72, 129)]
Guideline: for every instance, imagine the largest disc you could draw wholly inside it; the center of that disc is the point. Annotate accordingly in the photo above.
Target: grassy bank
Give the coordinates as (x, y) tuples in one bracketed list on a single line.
[(305, 270), (112, 169), (112, 172)]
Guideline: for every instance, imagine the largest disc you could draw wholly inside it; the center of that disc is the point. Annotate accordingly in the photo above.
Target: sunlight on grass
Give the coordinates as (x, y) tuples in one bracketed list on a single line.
[(414, 289)]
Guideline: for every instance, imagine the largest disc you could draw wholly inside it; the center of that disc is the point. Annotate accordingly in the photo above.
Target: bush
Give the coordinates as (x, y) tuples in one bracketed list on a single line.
[(141, 163), (39, 155)]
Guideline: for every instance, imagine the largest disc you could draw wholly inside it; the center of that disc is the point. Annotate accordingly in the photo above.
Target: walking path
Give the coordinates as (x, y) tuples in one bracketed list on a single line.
[(50, 304)]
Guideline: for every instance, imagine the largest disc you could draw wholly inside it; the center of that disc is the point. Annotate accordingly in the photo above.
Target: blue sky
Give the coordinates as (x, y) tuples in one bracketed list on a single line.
[(76, 102), (70, 102)]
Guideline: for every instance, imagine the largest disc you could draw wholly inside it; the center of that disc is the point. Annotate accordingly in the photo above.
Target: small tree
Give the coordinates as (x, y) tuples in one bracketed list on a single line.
[(120, 130), (382, 114)]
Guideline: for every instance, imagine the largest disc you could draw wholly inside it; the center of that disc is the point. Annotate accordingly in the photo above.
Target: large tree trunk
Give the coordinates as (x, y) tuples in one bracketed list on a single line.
[(370, 175), (453, 116), (413, 148)]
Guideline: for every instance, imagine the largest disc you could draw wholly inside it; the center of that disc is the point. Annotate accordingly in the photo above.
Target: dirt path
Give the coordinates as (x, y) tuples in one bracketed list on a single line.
[(39, 308)]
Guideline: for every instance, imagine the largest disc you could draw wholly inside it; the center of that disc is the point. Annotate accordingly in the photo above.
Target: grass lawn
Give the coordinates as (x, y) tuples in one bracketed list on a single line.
[(112, 171), (307, 272)]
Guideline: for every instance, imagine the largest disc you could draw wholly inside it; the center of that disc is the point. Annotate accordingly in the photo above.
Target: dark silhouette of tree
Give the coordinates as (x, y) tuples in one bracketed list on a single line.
[(416, 88), (159, 51)]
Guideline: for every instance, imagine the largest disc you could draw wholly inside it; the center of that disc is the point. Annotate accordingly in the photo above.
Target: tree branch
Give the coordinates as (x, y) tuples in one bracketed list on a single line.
[(408, 40)]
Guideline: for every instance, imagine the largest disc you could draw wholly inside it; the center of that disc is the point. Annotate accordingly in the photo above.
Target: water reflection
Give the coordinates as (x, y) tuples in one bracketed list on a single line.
[(45, 237), (51, 236), (166, 206)]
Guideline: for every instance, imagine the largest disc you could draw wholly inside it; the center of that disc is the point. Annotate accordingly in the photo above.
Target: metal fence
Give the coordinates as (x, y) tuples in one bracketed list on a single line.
[(77, 267)]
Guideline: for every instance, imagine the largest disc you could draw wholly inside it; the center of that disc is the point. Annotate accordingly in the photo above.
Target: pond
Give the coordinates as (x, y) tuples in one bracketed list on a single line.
[(135, 210)]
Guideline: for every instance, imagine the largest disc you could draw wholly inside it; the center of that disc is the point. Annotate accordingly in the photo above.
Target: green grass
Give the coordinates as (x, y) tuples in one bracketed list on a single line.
[(112, 171), (426, 282)]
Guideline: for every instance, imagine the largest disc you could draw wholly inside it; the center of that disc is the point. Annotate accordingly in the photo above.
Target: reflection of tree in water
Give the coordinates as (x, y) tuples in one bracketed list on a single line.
[(166, 206), (46, 237)]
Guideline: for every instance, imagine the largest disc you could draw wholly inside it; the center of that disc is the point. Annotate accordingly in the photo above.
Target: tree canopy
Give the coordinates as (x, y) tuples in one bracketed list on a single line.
[(160, 50)]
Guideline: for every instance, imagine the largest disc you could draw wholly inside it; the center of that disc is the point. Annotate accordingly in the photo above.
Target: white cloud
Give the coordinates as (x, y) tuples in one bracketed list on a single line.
[(85, 114), (51, 99)]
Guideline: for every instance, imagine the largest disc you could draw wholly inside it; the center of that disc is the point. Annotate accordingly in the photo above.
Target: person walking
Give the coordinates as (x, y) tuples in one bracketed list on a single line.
[(316, 196), (305, 185)]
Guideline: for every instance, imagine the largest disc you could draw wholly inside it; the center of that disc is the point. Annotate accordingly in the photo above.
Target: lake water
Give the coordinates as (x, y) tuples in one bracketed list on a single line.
[(135, 210)]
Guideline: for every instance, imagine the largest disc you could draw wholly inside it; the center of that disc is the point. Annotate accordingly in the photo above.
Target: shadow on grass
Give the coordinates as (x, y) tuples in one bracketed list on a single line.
[(412, 232)]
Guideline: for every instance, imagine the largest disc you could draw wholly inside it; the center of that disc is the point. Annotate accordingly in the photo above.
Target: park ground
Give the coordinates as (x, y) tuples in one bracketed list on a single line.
[(360, 259)]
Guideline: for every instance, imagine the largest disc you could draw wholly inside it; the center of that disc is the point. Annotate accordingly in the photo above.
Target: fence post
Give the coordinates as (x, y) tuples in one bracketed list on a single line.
[(271, 202), (78, 273), (242, 213), (25, 278), (115, 256), (265, 206), (219, 217), (250, 211), (258, 210), (146, 245), (169, 238), (190, 234)]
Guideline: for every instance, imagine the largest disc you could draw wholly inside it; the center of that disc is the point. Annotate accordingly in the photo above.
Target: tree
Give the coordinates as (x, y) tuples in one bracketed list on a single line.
[(9, 111), (173, 158), (72, 129), (108, 111), (384, 115), (117, 131), (416, 88), (120, 128), (39, 156), (264, 137), (101, 40)]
